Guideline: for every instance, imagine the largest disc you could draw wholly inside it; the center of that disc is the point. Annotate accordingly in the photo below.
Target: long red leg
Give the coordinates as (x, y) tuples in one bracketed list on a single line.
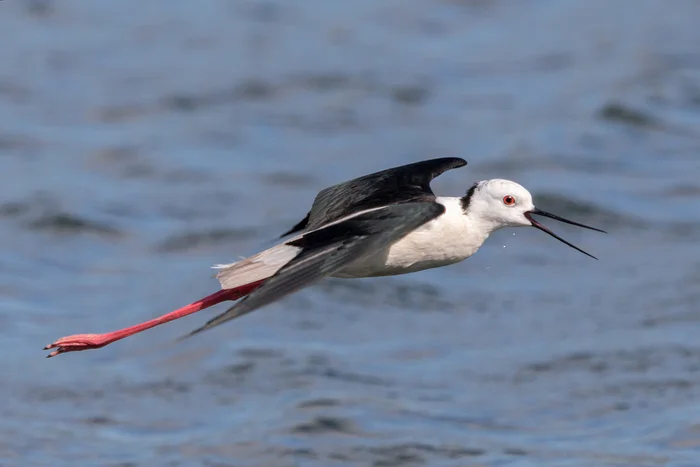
[(95, 341)]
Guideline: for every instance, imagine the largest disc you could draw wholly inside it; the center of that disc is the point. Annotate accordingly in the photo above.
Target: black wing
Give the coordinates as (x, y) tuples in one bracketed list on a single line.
[(407, 183), (328, 250)]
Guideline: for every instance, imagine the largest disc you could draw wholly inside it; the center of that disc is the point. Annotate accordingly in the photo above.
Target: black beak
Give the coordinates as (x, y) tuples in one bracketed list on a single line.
[(560, 219)]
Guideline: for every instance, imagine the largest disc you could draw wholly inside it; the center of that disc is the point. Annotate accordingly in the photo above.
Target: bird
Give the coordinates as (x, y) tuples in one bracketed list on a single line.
[(383, 224)]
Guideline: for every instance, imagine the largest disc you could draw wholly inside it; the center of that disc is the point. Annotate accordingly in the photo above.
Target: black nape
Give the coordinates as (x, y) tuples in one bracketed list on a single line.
[(466, 199)]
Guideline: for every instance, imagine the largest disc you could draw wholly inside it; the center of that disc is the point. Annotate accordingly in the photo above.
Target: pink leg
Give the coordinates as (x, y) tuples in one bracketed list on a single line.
[(95, 341)]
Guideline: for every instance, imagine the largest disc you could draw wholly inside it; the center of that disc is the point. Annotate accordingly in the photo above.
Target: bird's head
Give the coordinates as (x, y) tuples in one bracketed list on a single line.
[(495, 204)]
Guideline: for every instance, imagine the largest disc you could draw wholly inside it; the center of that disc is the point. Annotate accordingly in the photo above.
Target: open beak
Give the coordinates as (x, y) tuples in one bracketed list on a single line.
[(544, 229)]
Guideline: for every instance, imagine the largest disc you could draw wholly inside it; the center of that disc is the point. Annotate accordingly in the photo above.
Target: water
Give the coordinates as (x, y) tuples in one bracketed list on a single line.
[(141, 142)]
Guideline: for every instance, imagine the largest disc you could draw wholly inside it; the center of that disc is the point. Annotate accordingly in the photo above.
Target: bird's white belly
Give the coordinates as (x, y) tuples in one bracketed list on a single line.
[(401, 258), (445, 240)]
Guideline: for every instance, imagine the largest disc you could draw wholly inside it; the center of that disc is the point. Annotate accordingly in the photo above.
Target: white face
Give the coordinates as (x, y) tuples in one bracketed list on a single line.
[(502, 203), (497, 203)]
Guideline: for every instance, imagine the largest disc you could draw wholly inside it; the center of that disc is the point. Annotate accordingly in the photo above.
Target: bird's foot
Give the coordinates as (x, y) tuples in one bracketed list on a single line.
[(77, 342)]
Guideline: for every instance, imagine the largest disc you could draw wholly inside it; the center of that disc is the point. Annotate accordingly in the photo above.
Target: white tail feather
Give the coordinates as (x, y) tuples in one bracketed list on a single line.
[(257, 267)]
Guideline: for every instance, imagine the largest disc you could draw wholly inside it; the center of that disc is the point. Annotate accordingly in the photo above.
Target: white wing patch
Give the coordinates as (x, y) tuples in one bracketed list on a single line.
[(257, 267)]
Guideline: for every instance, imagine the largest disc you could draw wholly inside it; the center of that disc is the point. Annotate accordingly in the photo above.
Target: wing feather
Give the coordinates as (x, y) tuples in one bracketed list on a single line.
[(328, 250), (403, 184)]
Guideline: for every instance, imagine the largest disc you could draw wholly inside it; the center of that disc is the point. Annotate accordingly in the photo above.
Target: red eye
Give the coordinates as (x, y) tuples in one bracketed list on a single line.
[(509, 200)]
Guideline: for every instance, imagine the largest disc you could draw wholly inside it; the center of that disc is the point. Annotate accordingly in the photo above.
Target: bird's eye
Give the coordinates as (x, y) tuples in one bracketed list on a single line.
[(509, 200)]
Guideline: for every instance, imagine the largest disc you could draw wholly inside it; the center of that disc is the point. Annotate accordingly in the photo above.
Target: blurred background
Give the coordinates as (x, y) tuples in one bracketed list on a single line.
[(142, 142)]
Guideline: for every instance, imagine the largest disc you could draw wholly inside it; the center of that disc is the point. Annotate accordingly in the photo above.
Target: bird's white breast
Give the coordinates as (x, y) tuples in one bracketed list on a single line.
[(445, 240)]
